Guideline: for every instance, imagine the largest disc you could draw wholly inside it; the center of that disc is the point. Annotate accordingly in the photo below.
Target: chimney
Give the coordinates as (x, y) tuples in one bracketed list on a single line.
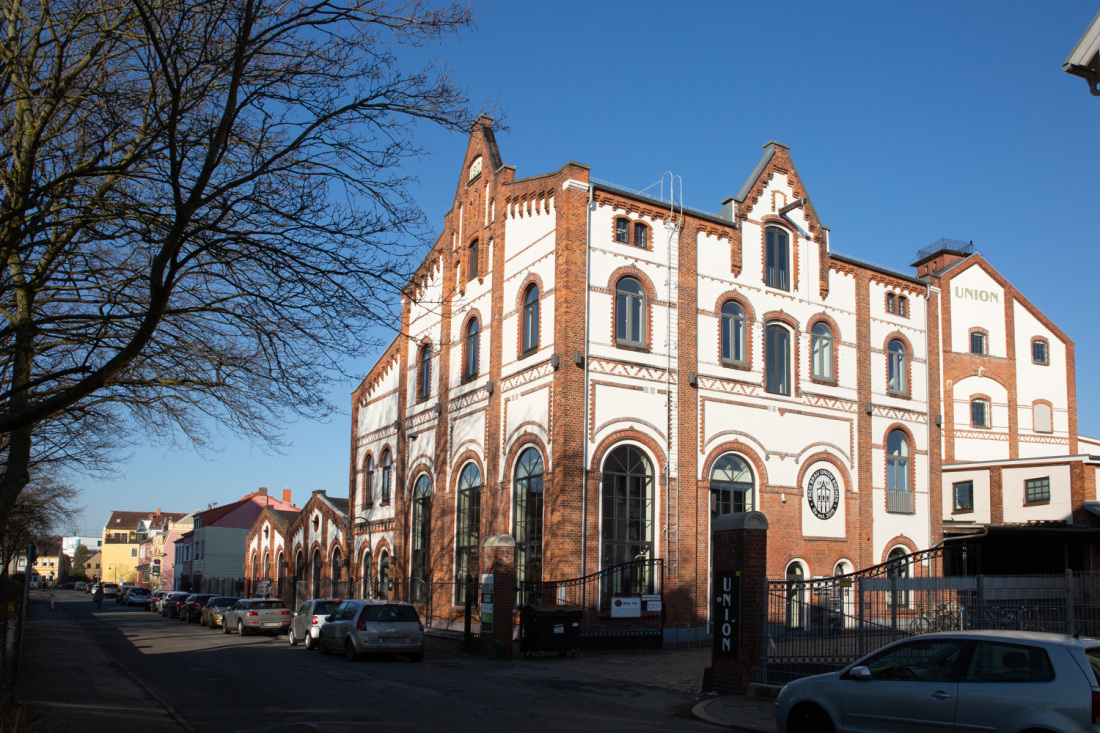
[(286, 495), (263, 491)]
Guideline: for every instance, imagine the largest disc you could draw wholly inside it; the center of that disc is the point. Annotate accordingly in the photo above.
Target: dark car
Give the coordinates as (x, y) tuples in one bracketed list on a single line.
[(170, 605), (191, 609)]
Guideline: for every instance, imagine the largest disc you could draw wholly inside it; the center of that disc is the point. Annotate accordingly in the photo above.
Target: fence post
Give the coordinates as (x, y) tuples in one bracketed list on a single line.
[(1071, 604), (862, 618), (498, 595), (739, 554), (894, 602)]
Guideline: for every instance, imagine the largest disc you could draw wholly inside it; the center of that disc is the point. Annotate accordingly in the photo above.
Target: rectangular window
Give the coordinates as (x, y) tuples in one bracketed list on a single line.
[(778, 361), (979, 413), (964, 496), (473, 260), (1037, 490), (640, 235), (776, 259), (1039, 352)]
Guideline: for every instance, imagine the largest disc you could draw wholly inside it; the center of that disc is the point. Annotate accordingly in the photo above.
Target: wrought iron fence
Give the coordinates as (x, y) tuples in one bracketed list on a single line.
[(823, 624), (224, 586), (604, 598)]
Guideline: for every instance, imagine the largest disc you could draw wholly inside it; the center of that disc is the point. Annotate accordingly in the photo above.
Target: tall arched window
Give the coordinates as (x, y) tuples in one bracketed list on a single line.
[(267, 566), (897, 376), (424, 373), (473, 263), (777, 366), (530, 319), (384, 585), (387, 466), (898, 567), (796, 595), (627, 519), (280, 575), (468, 531), (315, 576), (470, 364), (299, 567), (365, 574), (421, 540), (734, 334), (899, 497), (731, 486), (821, 348), (368, 481), (528, 497), (777, 258), (630, 312), (337, 590)]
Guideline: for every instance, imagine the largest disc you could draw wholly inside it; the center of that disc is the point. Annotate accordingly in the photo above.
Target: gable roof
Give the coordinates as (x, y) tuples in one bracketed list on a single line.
[(122, 521)]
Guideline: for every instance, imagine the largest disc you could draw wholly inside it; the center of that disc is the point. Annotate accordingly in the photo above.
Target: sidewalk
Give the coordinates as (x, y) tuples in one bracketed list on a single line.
[(739, 712), (67, 683)]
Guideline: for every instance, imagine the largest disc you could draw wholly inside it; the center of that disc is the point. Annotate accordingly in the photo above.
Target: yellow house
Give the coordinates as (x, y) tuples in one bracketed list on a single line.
[(122, 535), (48, 567)]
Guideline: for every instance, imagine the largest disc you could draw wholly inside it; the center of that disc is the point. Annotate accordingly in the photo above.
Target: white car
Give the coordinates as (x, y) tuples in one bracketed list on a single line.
[(1006, 681), (373, 627), (308, 620)]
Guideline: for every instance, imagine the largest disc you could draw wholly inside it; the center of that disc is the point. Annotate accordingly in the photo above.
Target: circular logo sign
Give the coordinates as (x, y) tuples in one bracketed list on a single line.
[(823, 493)]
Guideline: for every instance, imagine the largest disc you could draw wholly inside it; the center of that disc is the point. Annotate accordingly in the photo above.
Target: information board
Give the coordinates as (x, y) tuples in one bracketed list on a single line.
[(727, 614)]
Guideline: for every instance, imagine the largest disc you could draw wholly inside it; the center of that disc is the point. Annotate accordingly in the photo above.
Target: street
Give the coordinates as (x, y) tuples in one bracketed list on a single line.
[(224, 682)]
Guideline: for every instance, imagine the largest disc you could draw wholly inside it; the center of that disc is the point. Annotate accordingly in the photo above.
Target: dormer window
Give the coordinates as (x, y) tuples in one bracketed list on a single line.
[(777, 258)]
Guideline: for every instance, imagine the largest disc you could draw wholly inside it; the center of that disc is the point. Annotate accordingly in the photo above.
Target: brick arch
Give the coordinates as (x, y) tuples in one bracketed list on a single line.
[(627, 435), (630, 222), (467, 456), (895, 542), (525, 440), (986, 374), (782, 317), (750, 312), (746, 451), (471, 314), (638, 274), (532, 278), (828, 457)]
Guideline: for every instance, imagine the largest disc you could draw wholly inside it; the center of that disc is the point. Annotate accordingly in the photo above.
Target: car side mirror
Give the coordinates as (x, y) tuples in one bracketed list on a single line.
[(860, 673)]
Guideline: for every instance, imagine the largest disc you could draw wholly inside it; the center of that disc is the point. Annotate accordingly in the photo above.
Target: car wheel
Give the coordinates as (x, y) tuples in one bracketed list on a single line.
[(240, 627), (321, 645), (291, 637), (225, 627), (418, 657), (310, 643), (809, 719), (202, 621), (349, 651)]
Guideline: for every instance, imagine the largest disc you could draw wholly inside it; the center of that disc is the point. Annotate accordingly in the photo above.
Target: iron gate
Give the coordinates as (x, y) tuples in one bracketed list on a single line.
[(608, 599)]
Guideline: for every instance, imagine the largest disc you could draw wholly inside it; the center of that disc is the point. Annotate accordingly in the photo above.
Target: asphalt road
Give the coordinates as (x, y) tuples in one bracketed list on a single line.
[(219, 682)]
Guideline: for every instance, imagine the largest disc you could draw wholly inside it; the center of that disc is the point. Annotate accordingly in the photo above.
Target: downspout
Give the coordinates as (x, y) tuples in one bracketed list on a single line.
[(584, 437)]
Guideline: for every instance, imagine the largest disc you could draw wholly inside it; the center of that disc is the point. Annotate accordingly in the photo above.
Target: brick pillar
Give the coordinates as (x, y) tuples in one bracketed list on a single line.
[(739, 609), (498, 595)]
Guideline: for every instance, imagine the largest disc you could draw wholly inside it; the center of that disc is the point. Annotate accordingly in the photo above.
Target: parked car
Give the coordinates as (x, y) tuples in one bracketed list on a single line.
[(110, 590), (152, 601), (81, 585), (191, 609), (67, 586), (979, 680), (256, 614), (373, 627), (135, 596), (308, 620), (170, 604), (120, 594), (92, 588), (214, 609)]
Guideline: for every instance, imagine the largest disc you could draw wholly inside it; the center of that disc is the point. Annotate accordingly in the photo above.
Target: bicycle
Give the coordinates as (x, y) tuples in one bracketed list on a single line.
[(943, 618)]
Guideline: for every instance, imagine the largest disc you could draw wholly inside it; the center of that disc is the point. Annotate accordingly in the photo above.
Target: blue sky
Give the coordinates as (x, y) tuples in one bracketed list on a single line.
[(908, 122)]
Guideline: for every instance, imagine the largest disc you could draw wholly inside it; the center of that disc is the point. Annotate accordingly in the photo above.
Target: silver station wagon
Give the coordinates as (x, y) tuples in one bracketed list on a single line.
[(373, 627), (1007, 681)]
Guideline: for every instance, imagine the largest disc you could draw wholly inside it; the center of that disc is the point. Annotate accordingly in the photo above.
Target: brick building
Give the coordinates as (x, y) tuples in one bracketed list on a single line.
[(599, 373)]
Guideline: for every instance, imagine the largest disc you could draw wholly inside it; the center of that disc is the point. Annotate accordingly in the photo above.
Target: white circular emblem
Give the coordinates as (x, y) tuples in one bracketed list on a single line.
[(823, 493)]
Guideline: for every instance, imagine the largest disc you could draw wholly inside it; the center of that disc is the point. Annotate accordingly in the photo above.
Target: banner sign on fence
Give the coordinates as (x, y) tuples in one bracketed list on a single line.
[(727, 613), (487, 585), (626, 607)]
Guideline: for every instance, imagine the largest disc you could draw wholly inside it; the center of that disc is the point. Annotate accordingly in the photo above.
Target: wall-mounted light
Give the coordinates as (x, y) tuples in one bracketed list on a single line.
[(578, 358), (868, 408), (490, 387), (396, 425), (555, 360), (939, 421), (438, 409), (693, 379)]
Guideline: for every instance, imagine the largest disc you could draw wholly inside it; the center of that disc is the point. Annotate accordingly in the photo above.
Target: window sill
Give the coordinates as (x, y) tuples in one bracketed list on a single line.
[(467, 378), (1041, 363), (529, 352), (981, 427), (631, 346), (899, 511), (825, 381), (962, 511), (899, 395), (1038, 502), (739, 365)]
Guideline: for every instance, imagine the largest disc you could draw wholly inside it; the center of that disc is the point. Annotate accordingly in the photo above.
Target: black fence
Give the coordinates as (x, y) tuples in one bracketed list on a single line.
[(622, 606), (824, 624)]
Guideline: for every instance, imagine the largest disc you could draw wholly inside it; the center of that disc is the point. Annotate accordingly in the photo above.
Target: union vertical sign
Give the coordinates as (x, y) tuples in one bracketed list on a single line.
[(727, 614)]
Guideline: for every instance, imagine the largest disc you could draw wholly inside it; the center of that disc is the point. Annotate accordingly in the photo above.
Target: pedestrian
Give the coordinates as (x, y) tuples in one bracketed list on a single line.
[(98, 597)]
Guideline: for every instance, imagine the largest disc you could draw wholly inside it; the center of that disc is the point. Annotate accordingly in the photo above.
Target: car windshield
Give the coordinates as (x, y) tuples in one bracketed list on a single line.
[(268, 604), (223, 601), (389, 613), (325, 607)]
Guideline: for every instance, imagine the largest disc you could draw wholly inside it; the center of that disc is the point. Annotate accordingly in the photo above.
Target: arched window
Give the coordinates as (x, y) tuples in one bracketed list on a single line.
[(315, 576), (796, 595), (777, 258), (280, 574), (899, 497), (627, 518), (979, 343), (1042, 418), (468, 531), (897, 376), (891, 303), (530, 319), (528, 495), (337, 590), (898, 567), (384, 585), (734, 334), (821, 348), (777, 366), (421, 540), (365, 574), (424, 373), (903, 306), (630, 313), (267, 566), (1040, 354), (640, 234), (622, 230), (979, 413), (470, 363), (731, 486), (387, 466), (368, 482), (299, 567), (473, 266)]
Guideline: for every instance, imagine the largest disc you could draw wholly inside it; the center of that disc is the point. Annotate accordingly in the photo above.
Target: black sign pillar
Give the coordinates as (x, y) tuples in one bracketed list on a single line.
[(739, 605)]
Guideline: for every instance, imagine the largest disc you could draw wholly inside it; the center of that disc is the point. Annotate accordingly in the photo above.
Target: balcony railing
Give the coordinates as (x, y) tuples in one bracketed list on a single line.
[(899, 502)]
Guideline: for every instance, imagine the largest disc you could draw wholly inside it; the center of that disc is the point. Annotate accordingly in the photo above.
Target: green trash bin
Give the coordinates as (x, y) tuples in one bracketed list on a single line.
[(546, 629)]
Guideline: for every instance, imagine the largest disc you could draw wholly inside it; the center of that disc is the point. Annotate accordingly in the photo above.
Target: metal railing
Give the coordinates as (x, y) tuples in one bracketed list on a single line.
[(899, 502)]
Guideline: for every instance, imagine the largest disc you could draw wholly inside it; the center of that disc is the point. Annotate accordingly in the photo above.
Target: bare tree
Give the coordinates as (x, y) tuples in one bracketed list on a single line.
[(44, 507), (203, 208)]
